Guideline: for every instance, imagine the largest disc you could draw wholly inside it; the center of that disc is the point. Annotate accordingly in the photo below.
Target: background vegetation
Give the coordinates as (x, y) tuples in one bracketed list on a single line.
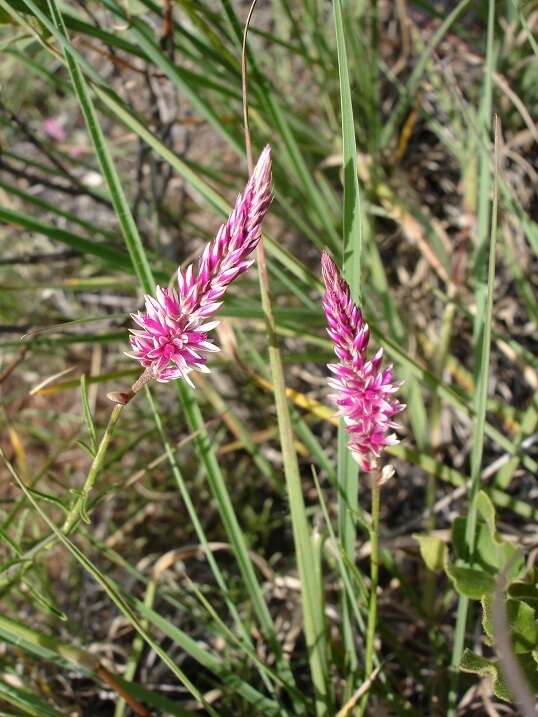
[(172, 587)]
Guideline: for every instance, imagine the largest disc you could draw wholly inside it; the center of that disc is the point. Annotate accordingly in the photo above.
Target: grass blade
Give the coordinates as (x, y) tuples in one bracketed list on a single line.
[(484, 278), (347, 469)]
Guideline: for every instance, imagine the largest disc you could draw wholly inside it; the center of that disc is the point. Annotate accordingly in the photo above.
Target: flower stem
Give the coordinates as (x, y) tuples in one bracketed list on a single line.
[(311, 588), (374, 576), (79, 506)]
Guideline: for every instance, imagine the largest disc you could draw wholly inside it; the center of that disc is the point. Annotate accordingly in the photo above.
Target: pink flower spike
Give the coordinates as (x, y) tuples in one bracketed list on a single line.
[(171, 339), (363, 390)]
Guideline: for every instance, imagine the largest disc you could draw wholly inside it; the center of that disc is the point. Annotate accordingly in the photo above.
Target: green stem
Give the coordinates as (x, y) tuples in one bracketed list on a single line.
[(311, 586), (374, 578), (79, 506)]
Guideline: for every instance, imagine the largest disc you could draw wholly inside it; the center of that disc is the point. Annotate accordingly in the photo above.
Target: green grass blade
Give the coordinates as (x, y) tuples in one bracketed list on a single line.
[(11, 188), (27, 701), (113, 257), (209, 661), (484, 271), (214, 199), (188, 401), (109, 589), (117, 195), (240, 626), (347, 469)]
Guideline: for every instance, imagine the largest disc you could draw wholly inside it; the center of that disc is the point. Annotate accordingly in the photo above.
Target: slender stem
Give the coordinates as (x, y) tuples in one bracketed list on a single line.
[(78, 508), (374, 579), (310, 586)]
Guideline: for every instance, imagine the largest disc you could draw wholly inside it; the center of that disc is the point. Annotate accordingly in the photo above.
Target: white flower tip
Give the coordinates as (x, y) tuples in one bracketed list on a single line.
[(386, 474), (119, 397)]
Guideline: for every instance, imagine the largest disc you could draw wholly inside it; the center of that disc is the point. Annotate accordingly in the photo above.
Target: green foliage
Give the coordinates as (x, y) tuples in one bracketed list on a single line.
[(176, 523), (471, 582), (19, 6), (483, 667), (496, 560)]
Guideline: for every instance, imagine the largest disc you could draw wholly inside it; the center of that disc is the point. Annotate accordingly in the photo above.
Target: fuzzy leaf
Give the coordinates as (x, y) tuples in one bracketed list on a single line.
[(521, 621), (491, 554), (483, 667), (523, 625), (526, 590), (472, 582)]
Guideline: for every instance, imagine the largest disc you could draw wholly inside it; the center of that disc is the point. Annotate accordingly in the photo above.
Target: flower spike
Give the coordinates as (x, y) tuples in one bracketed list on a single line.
[(364, 391), (171, 338)]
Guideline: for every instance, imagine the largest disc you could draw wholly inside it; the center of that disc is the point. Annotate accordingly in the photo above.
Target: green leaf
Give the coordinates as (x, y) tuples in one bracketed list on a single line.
[(479, 665), (128, 227), (471, 582), (521, 619), (20, 6), (483, 667), (43, 600), (30, 703), (494, 555), (432, 550), (526, 590), (486, 510), (491, 554), (487, 616), (109, 254), (458, 538), (523, 626)]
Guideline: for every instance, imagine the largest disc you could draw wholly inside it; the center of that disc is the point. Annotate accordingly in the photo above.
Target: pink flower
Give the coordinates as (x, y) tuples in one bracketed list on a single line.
[(172, 339), (363, 390), (53, 128)]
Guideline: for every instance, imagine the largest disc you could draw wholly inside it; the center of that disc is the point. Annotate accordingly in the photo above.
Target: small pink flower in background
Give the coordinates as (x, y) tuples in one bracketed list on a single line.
[(53, 129), (363, 389), (172, 339)]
